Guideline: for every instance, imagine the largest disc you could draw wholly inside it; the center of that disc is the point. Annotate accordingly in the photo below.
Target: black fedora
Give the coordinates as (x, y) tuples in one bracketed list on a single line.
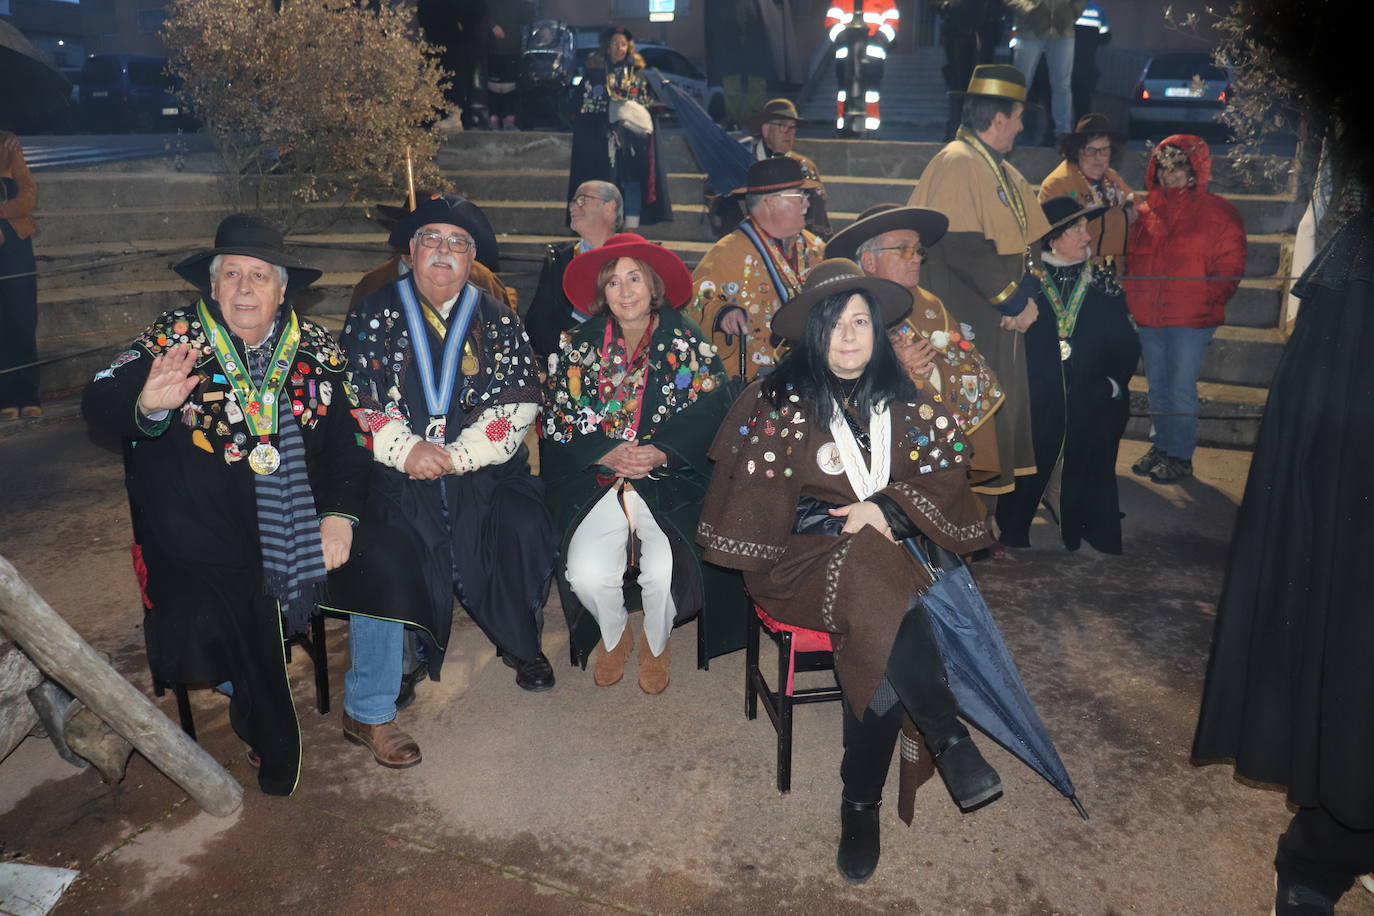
[(253, 237), (1065, 210), (839, 275), (453, 210), (776, 173), (929, 224)]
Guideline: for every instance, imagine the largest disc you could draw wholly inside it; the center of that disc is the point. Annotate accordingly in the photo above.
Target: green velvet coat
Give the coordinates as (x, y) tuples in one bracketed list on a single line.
[(684, 402)]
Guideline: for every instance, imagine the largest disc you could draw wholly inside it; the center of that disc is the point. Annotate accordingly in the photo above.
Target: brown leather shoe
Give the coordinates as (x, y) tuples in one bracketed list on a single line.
[(653, 669), (390, 746), (30, 413), (610, 664), (9, 413)]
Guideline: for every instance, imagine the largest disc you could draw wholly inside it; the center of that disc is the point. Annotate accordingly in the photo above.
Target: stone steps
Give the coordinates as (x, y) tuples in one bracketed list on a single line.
[(108, 239)]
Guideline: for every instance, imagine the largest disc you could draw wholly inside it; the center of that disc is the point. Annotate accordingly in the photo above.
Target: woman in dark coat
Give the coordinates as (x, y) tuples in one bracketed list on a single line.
[(635, 395), (1080, 355), (603, 151), (807, 497)]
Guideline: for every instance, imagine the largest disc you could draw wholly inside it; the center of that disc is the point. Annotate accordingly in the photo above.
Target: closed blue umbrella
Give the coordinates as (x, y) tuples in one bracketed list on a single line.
[(720, 156), (982, 676)]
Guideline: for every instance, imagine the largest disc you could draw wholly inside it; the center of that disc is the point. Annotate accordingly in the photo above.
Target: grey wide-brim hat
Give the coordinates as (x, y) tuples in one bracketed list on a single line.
[(930, 225), (252, 237), (840, 275)]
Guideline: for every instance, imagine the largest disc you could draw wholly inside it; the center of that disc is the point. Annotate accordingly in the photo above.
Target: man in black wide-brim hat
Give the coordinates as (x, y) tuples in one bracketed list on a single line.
[(247, 476)]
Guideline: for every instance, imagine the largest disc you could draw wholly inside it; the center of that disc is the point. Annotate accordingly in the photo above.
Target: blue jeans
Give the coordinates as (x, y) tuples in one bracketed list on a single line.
[(1173, 362), (373, 680), (1059, 58), (374, 675)]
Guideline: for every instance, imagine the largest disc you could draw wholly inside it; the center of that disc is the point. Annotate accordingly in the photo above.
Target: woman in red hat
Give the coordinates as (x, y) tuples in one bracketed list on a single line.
[(634, 396)]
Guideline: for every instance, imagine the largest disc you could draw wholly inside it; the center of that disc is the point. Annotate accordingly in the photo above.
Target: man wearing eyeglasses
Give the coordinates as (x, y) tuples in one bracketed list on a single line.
[(595, 214), (890, 242), (448, 388), (777, 127), (750, 272)]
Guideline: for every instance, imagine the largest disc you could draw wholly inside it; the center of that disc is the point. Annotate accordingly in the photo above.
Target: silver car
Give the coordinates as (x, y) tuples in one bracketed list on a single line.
[(1180, 90)]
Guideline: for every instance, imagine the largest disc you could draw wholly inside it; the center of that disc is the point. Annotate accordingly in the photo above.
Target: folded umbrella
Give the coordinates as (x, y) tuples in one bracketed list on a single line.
[(982, 676), (720, 156)]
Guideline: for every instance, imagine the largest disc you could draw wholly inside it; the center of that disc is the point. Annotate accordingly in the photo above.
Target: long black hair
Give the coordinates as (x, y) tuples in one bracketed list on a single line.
[(805, 369)]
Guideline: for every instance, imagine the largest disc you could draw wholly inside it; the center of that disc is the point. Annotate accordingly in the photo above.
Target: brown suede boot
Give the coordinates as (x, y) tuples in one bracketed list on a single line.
[(610, 664), (653, 669)]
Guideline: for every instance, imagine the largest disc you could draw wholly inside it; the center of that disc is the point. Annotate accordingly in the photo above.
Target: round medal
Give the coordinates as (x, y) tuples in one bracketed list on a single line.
[(1065, 349), (264, 459)]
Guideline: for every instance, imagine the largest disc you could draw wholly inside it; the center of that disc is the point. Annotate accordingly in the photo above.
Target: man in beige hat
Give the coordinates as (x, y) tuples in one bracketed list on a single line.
[(981, 268)]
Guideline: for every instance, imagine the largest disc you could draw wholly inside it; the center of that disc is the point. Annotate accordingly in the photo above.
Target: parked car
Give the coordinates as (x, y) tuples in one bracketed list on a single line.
[(122, 92), (674, 67), (1181, 90)]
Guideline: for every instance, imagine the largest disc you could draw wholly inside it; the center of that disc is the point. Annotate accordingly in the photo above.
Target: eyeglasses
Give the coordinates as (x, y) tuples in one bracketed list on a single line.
[(581, 199), (458, 244), (787, 127), (1097, 152), (907, 252)]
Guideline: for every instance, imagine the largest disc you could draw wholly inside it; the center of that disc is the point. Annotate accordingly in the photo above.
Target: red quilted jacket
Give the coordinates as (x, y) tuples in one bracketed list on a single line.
[(1184, 232)]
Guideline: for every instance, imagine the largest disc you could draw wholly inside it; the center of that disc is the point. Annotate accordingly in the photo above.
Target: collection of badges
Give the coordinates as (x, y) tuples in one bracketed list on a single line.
[(380, 348), (219, 417), (972, 392), (931, 438), (679, 367)]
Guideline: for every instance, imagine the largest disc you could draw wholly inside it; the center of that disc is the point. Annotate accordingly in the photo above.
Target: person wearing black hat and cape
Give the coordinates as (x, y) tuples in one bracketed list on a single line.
[(485, 265), (247, 479), (615, 136), (821, 467), (982, 269), (1080, 355), (449, 387)]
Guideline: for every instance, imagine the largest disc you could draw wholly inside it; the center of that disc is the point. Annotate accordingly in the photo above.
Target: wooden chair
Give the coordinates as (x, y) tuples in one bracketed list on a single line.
[(799, 649)]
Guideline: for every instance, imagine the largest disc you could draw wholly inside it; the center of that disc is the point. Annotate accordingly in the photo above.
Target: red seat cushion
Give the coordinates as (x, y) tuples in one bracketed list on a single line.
[(803, 640)]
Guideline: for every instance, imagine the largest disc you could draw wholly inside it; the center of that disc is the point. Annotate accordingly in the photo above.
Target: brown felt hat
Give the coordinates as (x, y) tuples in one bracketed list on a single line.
[(839, 275), (929, 224)]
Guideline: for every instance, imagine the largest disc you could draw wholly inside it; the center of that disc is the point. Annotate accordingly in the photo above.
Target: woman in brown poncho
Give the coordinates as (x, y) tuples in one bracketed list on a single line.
[(809, 499)]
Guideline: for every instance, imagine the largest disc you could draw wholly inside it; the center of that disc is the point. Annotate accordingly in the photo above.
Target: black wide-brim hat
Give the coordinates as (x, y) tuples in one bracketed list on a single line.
[(840, 275), (930, 225), (453, 209), (776, 173), (1065, 210), (252, 237)]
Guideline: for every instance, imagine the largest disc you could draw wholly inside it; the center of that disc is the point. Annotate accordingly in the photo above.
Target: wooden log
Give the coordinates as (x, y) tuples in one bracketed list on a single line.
[(17, 715), (65, 657)]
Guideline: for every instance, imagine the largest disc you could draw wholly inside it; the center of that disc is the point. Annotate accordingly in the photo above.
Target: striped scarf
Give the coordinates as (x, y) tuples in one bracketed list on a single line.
[(288, 526)]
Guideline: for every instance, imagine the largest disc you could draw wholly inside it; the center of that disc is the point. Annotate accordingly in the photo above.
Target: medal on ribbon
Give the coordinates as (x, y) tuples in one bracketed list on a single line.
[(260, 403), (439, 390)]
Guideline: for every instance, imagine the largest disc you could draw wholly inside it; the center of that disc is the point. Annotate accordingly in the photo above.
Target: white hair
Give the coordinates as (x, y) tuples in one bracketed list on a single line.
[(869, 246), (215, 262)]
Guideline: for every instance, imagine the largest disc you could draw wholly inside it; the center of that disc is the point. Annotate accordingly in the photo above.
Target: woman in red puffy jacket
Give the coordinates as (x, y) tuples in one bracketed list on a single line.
[(1189, 246)]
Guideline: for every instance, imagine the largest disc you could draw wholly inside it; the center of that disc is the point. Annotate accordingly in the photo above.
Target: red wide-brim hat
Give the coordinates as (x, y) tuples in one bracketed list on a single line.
[(579, 280)]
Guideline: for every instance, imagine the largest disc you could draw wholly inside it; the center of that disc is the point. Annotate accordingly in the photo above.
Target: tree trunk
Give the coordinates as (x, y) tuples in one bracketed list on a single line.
[(61, 653), (17, 715)]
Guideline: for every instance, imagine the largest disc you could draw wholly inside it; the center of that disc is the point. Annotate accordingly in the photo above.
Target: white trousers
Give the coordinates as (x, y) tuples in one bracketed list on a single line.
[(596, 568)]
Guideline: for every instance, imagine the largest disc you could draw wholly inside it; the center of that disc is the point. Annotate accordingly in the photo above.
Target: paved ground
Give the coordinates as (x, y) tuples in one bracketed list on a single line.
[(587, 800)]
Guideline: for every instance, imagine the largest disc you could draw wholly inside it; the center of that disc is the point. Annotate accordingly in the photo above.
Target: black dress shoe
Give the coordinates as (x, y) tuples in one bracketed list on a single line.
[(406, 696), (971, 780), (535, 676), (859, 842)]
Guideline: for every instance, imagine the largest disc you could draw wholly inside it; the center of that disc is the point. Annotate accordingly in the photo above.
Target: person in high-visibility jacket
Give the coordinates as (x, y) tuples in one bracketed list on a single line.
[(862, 31)]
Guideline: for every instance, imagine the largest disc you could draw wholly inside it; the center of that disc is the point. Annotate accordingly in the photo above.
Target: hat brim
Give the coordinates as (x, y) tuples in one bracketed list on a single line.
[(806, 184), (196, 269), (894, 303), (930, 225), (1091, 213), (579, 279)]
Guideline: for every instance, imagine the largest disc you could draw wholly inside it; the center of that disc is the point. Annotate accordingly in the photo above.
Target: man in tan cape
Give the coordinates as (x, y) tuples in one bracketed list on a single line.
[(980, 269)]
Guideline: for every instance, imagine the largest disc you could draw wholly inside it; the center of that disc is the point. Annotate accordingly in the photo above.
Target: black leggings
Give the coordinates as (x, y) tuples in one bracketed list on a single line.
[(1320, 852)]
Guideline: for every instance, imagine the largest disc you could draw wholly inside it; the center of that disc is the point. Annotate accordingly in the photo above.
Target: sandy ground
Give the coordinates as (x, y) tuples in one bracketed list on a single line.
[(589, 800)]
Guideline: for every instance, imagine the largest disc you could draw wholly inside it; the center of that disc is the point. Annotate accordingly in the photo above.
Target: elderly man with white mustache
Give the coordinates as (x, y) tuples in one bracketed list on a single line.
[(448, 388)]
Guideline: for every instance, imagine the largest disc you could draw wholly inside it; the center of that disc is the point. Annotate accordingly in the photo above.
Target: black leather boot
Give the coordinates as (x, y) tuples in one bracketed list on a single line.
[(971, 780), (859, 843)]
